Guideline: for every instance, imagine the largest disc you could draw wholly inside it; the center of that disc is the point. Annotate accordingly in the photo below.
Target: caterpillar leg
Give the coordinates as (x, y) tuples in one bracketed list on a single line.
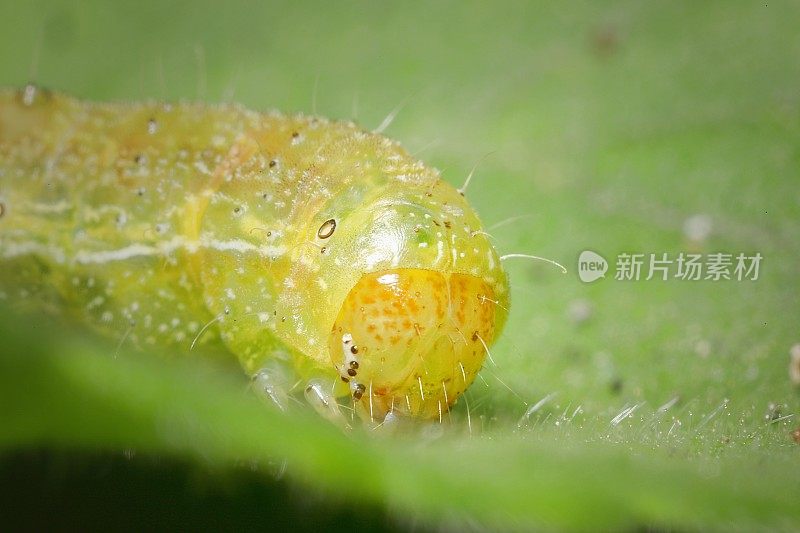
[(271, 384), (320, 396)]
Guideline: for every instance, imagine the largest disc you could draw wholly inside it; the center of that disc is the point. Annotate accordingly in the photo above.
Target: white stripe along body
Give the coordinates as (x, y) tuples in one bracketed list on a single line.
[(276, 237)]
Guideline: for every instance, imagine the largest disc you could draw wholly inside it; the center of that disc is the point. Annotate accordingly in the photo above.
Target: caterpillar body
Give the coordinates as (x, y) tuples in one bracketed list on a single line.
[(289, 241)]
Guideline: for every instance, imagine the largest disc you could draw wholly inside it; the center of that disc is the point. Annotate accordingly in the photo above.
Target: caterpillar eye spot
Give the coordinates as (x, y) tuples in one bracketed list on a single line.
[(358, 391), (352, 373), (354, 350), (326, 229)]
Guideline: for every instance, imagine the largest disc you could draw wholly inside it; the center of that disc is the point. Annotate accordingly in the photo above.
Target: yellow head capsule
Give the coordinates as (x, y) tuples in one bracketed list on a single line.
[(412, 340)]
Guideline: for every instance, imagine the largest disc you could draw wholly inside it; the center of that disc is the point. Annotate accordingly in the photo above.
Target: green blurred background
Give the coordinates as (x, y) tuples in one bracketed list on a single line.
[(594, 125)]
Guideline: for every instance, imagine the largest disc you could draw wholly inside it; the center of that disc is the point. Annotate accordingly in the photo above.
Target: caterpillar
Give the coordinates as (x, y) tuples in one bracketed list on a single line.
[(309, 249)]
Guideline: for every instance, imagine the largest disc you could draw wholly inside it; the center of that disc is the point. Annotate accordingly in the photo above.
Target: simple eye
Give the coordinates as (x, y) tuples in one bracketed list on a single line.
[(326, 229)]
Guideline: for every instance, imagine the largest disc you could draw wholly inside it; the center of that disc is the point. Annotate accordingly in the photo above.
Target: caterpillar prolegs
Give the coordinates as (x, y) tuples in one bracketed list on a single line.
[(288, 240)]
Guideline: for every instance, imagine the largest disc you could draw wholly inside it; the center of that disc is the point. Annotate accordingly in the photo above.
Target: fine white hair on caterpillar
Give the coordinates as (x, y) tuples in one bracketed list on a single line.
[(304, 247)]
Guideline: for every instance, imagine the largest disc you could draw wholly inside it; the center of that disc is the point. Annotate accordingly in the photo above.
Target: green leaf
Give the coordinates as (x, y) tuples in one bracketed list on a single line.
[(62, 390)]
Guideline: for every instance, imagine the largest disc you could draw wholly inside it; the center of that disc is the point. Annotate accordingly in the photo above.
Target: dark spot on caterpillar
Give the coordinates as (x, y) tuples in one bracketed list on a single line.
[(140, 159), (152, 126), (237, 209), (352, 373), (354, 365), (359, 392), (436, 223), (474, 336), (272, 163), (140, 191), (354, 350), (323, 249), (326, 229), (447, 224), (346, 380), (295, 135)]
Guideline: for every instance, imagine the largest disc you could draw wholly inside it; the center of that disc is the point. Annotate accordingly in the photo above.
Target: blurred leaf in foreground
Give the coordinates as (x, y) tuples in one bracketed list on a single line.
[(59, 389)]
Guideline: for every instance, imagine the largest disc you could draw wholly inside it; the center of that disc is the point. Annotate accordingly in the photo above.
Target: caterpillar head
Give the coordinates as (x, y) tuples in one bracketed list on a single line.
[(412, 340), (420, 298)]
